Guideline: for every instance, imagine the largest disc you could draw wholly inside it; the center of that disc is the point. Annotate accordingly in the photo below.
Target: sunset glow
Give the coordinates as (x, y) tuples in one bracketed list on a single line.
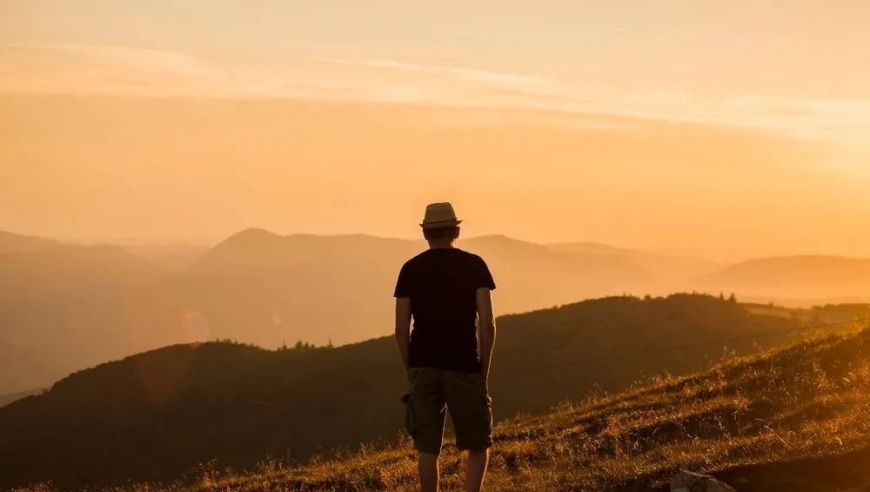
[(698, 125)]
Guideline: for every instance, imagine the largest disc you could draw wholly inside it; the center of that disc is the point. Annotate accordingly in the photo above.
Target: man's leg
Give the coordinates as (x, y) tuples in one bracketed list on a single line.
[(426, 417), (427, 467), (475, 470), (470, 407)]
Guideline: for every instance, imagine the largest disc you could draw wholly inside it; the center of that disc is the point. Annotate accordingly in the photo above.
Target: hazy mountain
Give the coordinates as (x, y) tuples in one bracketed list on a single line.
[(156, 414), (15, 243), (671, 272), (65, 307), (168, 256), (339, 288), (795, 277), (68, 307)]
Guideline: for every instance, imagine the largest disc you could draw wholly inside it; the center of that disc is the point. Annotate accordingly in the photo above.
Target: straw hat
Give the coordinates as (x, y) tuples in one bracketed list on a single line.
[(439, 215)]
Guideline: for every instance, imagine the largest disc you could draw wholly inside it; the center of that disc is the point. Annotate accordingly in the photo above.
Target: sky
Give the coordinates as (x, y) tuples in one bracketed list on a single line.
[(722, 125)]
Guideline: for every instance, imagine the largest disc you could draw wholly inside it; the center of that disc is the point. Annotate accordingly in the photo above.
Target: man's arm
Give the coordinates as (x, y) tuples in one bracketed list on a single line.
[(486, 320), (403, 329)]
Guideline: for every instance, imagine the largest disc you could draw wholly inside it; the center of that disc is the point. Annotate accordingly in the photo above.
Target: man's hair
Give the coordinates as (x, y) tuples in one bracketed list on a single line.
[(440, 233)]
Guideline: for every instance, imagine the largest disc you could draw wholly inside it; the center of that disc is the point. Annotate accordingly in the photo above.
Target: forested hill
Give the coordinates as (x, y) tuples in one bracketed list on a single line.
[(157, 414)]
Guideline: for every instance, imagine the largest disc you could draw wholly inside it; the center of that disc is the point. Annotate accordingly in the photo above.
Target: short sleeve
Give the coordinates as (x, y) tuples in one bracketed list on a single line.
[(484, 277), (403, 284)]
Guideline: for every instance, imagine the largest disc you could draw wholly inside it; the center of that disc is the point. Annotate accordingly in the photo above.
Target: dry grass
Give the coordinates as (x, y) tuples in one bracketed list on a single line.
[(807, 400)]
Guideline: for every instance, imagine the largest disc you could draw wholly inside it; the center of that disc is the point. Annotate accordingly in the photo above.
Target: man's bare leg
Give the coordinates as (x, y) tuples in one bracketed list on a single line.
[(475, 470), (427, 467)]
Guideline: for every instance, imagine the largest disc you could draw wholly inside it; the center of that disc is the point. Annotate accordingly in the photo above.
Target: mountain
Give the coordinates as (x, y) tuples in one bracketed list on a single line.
[(67, 307), (156, 414), (671, 272), (338, 288), (15, 243), (795, 277), (64, 307), (171, 257)]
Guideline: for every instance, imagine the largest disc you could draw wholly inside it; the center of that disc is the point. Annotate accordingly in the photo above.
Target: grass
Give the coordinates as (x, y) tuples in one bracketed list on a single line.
[(782, 412)]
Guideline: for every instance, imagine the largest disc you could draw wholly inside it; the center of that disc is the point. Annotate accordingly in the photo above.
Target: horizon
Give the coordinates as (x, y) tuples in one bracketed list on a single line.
[(723, 257)]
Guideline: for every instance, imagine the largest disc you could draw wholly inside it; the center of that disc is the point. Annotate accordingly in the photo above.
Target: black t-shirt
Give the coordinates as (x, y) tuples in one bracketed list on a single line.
[(442, 285)]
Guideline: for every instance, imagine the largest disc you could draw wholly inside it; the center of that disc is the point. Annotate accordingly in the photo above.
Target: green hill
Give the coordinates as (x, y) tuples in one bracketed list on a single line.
[(157, 414), (792, 419)]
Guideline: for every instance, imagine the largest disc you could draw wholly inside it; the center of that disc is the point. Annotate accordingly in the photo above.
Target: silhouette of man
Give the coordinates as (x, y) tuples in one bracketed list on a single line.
[(446, 291)]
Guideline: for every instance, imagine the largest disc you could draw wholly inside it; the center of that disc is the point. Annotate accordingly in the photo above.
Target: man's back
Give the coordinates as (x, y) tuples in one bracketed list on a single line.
[(442, 284), (445, 291)]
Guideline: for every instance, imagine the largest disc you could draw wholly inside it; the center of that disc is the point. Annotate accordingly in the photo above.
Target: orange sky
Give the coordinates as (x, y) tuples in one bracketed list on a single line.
[(718, 125)]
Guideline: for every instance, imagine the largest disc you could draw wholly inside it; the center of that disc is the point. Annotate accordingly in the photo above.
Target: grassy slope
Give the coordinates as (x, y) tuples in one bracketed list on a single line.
[(781, 420), (792, 419)]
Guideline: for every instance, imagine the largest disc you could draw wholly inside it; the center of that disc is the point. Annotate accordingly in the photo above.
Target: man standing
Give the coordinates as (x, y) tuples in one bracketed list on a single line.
[(447, 292)]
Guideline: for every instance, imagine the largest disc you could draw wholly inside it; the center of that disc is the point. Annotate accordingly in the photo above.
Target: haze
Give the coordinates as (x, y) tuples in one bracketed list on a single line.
[(730, 127)]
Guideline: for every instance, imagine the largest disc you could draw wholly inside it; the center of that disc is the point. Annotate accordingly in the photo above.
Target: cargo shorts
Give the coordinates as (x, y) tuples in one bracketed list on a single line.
[(432, 393)]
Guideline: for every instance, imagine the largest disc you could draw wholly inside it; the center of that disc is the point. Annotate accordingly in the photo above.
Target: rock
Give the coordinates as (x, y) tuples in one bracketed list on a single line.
[(686, 481)]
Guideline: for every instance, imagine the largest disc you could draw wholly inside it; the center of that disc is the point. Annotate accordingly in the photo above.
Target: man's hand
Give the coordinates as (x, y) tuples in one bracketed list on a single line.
[(403, 330)]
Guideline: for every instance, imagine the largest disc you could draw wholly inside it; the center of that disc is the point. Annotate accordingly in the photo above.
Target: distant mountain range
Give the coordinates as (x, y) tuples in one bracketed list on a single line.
[(156, 414), (65, 307), (668, 270), (15, 243), (339, 288), (795, 277)]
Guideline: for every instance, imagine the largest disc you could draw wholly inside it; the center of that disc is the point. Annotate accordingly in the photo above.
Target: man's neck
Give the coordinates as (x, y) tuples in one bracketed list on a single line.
[(441, 245)]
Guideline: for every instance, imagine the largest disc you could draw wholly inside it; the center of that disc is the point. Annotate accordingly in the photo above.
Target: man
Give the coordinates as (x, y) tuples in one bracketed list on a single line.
[(447, 292)]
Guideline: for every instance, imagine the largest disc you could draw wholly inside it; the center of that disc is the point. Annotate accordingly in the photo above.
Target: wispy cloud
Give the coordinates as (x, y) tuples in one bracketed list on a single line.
[(137, 71), (147, 61), (531, 84), (84, 68)]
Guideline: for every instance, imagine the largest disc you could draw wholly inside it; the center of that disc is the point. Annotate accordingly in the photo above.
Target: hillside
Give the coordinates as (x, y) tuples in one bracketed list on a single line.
[(8, 398), (155, 415), (794, 277), (792, 419)]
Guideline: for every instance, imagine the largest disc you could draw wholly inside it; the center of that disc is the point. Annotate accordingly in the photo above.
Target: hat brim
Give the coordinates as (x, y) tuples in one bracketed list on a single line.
[(439, 225)]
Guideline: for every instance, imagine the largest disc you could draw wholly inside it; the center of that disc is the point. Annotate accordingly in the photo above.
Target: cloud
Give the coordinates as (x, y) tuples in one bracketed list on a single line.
[(530, 84), (139, 59), (81, 68), (101, 69)]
